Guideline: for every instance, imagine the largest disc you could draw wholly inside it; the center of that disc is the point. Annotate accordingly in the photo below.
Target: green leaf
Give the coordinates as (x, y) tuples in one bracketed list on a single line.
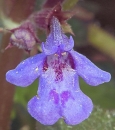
[(101, 40), (102, 95), (23, 95), (69, 4)]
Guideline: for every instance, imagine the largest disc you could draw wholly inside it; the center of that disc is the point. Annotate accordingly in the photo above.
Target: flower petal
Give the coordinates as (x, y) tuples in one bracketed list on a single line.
[(57, 40), (27, 71), (43, 110), (68, 43), (73, 105), (48, 81), (77, 108), (47, 48), (54, 40), (88, 71)]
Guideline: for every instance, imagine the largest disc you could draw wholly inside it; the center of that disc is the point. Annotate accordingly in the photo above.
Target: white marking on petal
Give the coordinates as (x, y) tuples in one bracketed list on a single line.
[(36, 69)]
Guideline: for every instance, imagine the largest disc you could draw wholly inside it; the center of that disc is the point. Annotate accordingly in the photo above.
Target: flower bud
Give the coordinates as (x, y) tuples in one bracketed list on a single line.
[(24, 37)]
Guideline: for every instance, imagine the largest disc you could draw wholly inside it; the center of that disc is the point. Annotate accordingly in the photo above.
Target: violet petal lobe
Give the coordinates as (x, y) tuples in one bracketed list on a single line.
[(65, 94), (27, 71), (54, 39), (77, 108), (44, 110), (88, 71), (68, 43)]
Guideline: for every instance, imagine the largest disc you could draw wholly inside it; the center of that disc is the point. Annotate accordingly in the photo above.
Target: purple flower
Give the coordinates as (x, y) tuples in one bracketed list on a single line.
[(58, 68)]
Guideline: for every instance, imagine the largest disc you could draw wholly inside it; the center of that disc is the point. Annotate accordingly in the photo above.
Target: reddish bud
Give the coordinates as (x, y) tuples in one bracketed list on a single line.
[(43, 18), (23, 37)]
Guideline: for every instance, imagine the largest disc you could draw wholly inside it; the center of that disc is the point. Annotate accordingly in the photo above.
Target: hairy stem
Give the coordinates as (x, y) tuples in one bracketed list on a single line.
[(8, 60)]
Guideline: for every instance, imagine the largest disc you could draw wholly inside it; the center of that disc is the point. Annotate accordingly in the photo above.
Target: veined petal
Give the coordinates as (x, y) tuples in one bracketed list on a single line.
[(27, 71), (44, 110), (65, 82), (88, 71), (77, 108)]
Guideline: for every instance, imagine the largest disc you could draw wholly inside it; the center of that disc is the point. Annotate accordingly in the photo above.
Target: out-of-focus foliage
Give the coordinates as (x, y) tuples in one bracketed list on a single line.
[(23, 95), (102, 95), (68, 4), (97, 37), (102, 40), (80, 30), (99, 120)]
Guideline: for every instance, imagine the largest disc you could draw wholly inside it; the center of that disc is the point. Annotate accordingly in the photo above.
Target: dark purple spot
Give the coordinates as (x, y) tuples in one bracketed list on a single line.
[(71, 61), (59, 66), (54, 96), (58, 70), (64, 97), (45, 65)]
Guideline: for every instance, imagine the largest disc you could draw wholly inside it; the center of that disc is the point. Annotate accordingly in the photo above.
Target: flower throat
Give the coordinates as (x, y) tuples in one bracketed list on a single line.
[(59, 63)]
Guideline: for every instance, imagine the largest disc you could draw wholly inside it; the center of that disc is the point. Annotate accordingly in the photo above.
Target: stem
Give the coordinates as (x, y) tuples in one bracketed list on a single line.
[(8, 60)]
